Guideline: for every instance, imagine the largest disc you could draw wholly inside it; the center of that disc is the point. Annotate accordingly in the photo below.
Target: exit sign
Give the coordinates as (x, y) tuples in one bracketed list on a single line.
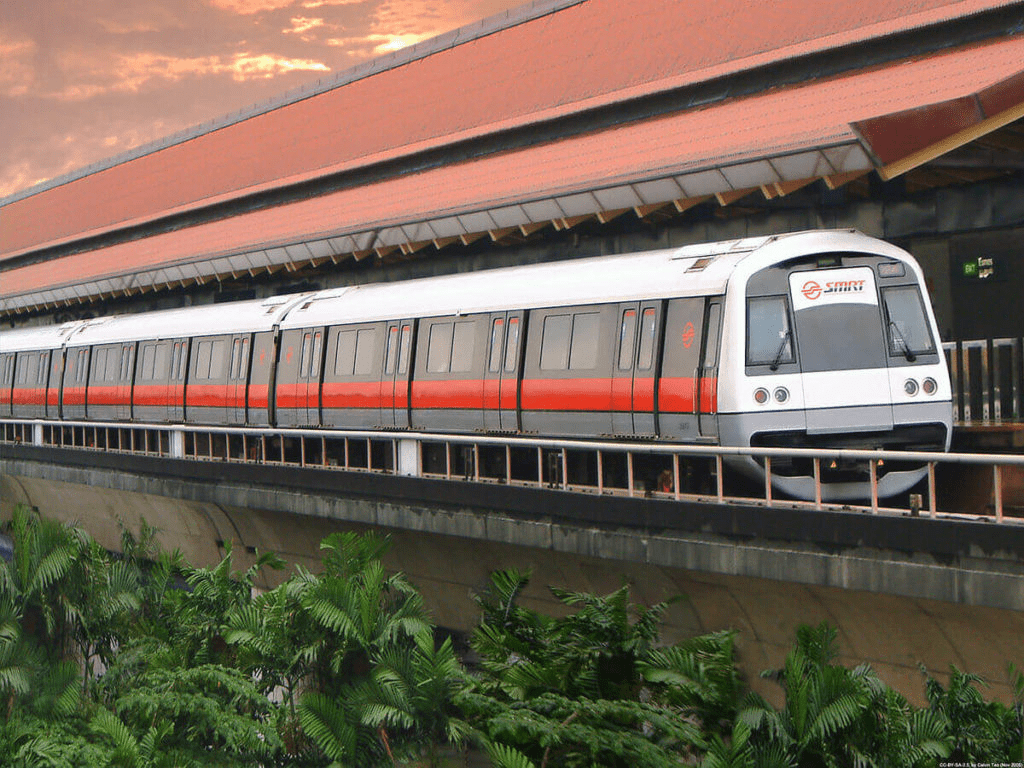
[(981, 268)]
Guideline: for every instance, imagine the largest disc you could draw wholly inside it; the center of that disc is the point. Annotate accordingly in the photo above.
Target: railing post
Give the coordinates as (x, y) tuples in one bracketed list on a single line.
[(719, 480), (675, 475), (817, 483), (997, 488), (768, 480), (629, 473), (873, 471), (177, 444), (600, 472), (931, 489)]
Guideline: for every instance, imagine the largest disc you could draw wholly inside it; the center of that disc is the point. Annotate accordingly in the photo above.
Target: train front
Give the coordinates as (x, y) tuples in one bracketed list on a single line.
[(833, 344)]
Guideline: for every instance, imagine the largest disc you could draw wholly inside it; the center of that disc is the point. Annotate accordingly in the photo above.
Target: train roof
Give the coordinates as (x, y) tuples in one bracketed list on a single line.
[(697, 270)]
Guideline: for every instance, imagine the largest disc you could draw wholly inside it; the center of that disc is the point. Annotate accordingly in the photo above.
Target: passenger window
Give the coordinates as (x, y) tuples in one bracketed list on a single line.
[(243, 363), (648, 326), (439, 348), (711, 344), (462, 347), (554, 345), (404, 347), (512, 345), (236, 355), (113, 365), (181, 361), (314, 364), (83, 365), (366, 347), (627, 334), (389, 357), (304, 356), (148, 361), (769, 340), (160, 362), (203, 359), (494, 361), (345, 355), (41, 371), (583, 350)]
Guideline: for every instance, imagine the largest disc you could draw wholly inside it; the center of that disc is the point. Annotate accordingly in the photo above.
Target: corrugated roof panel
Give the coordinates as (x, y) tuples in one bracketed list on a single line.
[(604, 51), (693, 146)]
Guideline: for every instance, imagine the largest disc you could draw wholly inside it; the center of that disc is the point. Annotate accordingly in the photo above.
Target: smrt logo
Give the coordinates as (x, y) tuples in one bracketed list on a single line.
[(811, 290)]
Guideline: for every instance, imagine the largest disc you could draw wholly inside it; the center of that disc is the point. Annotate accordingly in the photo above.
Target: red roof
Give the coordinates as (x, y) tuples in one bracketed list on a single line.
[(797, 132), (593, 53)]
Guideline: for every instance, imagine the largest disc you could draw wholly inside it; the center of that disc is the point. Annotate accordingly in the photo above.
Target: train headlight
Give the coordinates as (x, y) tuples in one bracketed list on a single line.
[(930, 386), (760, 395), (910, 387), (781, 394)]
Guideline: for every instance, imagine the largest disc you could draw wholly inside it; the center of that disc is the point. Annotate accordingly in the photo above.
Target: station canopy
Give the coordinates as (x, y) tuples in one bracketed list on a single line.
[(556, 113)]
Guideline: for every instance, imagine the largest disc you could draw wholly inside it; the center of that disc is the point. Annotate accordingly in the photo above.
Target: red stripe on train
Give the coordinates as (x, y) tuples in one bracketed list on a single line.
[(215, 395)]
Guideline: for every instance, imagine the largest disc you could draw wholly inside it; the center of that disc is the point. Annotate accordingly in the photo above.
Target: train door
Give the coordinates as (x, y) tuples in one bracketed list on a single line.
[(394, 396), (678, 400), (238, 377), (6, 382), (176, 381), (633, 400), (261, 368), (298, 377), (54, 384), (707, 386), (501, 379)]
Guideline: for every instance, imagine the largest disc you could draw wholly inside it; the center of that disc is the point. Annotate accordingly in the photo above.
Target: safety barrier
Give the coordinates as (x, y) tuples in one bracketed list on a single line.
[(988, 379), (634, 469)]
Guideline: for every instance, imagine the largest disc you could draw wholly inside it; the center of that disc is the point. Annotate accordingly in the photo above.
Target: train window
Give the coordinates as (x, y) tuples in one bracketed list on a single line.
[(462, 347), (148, 363), (494, 361), (554, 344), (392, 349), (404, 348), (41, 372), (126, 363), (439, 348), (711, 344), (176, 358), (182, 357), (512, 344), (203, 358), (304, 358), (627, 337), (318, 346), (345, 354), (243, 364), (236, 356), (769, 340), (217, 359), (113, 366), (648, 326), (906, 321), (366, 346), (583, 348)]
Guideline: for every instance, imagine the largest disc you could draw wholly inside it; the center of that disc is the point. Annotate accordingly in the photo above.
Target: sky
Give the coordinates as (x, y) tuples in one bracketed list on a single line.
[(84, 80)]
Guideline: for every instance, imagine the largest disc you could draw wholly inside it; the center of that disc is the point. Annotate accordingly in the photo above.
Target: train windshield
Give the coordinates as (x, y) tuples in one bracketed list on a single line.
[(906, 322), (838, 324)]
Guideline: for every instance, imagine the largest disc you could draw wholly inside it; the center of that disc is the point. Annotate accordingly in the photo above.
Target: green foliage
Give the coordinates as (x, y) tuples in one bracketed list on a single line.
[(343, 668)]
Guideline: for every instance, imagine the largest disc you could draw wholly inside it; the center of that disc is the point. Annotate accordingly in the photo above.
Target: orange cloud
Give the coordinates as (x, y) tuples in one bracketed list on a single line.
[(249, 7), (130, 73), (301, 25), (16, 72)]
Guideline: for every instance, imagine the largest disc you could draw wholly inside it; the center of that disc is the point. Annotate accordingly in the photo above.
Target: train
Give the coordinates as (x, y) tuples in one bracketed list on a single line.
[(822, 339)]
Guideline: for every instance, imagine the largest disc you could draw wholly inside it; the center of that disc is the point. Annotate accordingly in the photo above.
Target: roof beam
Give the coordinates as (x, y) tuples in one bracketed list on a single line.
[(950, 143)]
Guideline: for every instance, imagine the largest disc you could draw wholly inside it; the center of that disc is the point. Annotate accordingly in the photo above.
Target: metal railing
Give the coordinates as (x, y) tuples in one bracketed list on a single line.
[(698, 473), (988, 379)]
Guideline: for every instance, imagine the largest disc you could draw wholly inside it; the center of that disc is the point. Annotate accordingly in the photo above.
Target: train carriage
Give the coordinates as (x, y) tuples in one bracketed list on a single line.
[(822, 339)]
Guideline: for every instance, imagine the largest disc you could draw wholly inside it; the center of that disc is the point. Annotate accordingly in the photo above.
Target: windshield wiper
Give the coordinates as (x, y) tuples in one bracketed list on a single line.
[(782, 348), (897, 336)]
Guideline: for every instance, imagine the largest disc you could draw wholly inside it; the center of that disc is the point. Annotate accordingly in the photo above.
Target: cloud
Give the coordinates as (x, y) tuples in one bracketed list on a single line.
[(249, 7), (301, 25), (130, 73), (16, 72)]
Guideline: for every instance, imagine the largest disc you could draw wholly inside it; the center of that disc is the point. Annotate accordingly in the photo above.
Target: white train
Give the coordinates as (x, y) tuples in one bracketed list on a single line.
[(814, 339)]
